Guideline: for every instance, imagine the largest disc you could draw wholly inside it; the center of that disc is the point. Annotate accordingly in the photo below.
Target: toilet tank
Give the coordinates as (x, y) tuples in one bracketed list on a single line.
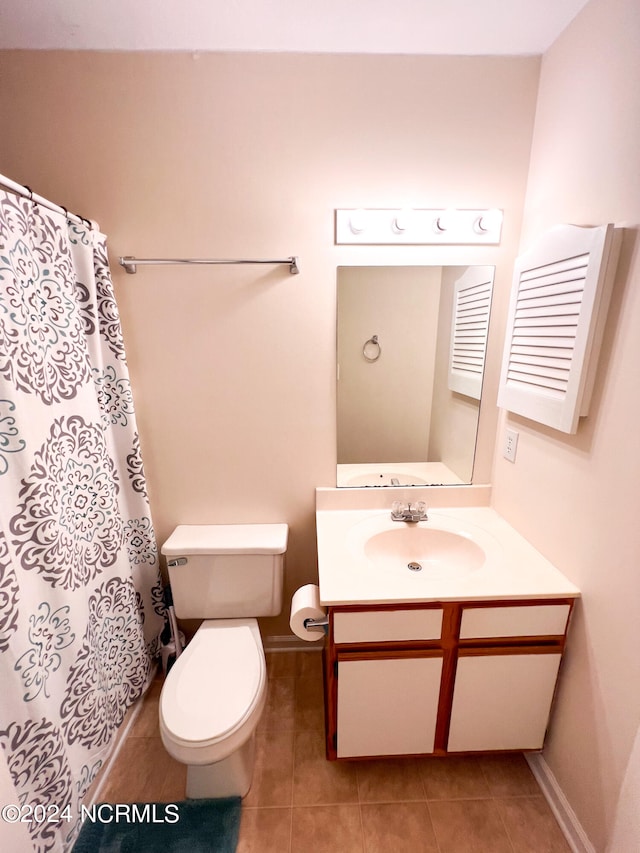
[(223, 571)]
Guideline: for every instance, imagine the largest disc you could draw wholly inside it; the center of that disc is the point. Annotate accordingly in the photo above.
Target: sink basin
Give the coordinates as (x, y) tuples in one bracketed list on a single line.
[(432, 551), (441, 548)]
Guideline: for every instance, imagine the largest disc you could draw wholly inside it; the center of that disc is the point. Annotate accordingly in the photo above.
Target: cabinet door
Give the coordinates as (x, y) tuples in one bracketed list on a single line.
[(502, 701), (387, 706)]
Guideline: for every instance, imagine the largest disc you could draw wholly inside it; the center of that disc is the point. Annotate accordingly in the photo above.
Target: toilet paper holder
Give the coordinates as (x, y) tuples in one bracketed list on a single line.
[(320, 625)]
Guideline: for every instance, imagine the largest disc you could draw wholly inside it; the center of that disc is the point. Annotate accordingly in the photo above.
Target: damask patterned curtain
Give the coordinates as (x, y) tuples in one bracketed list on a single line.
[(80, 594)]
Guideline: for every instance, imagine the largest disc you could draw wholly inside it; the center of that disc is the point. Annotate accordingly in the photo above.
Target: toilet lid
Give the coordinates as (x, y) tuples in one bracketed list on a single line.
[(214, 683)]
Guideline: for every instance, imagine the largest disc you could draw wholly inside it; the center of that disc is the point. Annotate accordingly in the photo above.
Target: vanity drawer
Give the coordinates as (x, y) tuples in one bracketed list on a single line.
[(377, 626), (523, 620)]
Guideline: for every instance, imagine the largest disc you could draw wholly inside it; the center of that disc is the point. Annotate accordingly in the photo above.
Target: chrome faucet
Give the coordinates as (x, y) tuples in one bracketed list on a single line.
[(409, 512)]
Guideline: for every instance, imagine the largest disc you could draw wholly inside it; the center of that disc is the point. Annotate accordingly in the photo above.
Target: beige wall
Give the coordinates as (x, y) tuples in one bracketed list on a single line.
[(576, 497), (236, 155)]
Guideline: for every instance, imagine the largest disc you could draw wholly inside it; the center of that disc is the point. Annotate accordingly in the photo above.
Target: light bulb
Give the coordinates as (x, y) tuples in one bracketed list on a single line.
[(488, 221), (402, 221), (358, 221), (445, 220)]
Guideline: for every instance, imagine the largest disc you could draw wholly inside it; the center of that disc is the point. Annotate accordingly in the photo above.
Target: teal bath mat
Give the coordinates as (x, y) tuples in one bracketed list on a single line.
[(191, 826)]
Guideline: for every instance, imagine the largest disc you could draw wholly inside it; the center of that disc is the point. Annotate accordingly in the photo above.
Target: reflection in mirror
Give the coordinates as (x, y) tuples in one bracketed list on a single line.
[(411, 347)]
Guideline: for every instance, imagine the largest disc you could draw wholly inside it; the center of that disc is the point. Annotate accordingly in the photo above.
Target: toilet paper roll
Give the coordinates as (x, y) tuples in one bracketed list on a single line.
[(305, 604)]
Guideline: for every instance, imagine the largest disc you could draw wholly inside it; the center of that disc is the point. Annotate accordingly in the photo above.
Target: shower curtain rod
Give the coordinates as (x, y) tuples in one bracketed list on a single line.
[(27, 192), (131, 264)]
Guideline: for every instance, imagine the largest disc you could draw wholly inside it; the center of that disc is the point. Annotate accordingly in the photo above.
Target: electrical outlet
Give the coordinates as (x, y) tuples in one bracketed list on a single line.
[(510, 445)]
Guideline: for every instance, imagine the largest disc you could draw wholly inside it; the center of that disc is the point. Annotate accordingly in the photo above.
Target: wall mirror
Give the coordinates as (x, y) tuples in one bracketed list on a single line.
[(411, 350)]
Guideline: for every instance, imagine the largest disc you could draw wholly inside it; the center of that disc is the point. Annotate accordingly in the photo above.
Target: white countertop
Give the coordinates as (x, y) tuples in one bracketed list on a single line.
[(514, 569)]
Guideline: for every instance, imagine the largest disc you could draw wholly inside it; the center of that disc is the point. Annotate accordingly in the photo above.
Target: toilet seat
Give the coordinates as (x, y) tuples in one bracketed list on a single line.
[(215, 692)]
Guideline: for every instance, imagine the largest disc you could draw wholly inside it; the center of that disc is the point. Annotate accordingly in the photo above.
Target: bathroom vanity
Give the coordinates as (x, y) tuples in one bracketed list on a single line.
[(459, 656)]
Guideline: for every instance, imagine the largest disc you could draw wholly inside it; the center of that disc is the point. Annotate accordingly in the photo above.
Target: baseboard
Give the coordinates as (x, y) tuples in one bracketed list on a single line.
[(291, 643), (567, 819)]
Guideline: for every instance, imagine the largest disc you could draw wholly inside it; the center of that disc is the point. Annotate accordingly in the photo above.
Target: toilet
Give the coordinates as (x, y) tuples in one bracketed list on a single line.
[(214, 694)]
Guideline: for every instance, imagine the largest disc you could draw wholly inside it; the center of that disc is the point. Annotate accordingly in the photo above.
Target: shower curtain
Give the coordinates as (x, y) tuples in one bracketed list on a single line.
[(80, 593)]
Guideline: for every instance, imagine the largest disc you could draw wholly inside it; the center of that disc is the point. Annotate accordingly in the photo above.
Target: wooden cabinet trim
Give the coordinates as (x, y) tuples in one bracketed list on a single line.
[(445, 700), (523, 649), (331, 693), (388, 646), (387, 654), (449, 647), (553, 640), (465, 603)]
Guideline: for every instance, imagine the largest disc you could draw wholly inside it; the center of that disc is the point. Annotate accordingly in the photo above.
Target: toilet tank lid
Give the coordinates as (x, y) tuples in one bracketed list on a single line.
[(227, 539)]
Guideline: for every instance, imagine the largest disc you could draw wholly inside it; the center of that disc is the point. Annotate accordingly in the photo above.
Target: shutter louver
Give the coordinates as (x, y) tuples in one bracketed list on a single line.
[(558, 305), (469, 330)]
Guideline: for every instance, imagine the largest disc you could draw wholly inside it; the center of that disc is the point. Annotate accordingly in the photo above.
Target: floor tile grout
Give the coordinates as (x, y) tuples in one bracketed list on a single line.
[(433, 828), (506, 830), (364, 842)]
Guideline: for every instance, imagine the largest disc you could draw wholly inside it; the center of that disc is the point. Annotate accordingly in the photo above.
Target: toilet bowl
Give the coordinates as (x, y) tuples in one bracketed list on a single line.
[(210, 706), (215, 692)]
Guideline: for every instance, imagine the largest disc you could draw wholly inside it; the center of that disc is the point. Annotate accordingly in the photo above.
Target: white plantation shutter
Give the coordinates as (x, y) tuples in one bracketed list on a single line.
[(469, 330), (559, 300)]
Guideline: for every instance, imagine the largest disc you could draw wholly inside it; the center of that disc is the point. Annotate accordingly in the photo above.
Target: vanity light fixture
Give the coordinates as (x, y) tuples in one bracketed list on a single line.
[(418, 226)]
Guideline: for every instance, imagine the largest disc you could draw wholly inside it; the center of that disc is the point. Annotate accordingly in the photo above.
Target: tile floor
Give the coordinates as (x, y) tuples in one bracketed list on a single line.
[(300, 802)]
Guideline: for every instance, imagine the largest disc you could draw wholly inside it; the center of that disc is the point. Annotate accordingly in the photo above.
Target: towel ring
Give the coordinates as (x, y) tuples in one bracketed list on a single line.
[(374, 349)]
